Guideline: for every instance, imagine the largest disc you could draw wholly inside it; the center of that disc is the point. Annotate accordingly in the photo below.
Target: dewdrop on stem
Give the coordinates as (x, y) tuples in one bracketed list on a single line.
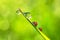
[(18, 12), (27, 15)]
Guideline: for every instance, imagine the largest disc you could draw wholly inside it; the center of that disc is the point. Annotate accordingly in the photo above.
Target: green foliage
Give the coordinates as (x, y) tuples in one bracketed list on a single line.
[(16, 27)]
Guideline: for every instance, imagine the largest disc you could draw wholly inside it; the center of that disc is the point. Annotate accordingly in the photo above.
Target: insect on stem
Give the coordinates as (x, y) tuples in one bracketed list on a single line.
[(42, 34)]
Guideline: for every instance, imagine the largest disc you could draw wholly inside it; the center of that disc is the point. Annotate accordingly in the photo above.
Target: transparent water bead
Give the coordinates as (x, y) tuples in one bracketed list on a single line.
[(18, 12), (27, 15)]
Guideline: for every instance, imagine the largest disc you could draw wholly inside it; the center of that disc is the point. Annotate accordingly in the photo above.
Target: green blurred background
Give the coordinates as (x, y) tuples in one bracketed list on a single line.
[(14, 27)]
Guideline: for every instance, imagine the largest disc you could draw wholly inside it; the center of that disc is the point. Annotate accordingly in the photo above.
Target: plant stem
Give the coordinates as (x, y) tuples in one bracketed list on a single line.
[(42, 34)]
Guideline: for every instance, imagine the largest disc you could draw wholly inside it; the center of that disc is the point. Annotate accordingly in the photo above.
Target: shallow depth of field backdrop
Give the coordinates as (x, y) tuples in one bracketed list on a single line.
[(14, 27)]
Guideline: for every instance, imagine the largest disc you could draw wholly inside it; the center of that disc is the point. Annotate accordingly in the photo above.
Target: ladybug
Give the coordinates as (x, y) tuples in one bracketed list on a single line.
[(40, 29), (35, 23)]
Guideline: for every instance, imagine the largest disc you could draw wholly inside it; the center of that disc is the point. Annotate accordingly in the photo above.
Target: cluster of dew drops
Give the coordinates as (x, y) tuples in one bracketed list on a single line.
[(26, 14)]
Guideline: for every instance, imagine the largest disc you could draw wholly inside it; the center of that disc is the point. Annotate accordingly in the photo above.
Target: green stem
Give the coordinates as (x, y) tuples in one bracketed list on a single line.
[(42, 34)]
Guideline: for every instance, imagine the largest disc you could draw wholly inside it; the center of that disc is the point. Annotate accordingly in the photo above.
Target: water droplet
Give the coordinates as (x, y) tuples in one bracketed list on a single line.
[(18, 12), (26, 14), (29, 17)]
